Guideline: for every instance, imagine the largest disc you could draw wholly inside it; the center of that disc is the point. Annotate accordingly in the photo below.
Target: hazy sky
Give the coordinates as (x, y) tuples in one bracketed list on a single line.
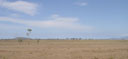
[(64, 18)]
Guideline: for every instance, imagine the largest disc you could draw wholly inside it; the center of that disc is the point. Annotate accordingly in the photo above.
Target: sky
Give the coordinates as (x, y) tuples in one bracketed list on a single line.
[(64, 18)]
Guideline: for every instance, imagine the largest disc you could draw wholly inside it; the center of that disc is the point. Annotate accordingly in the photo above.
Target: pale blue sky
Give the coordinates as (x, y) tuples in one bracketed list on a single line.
[(64, 18)]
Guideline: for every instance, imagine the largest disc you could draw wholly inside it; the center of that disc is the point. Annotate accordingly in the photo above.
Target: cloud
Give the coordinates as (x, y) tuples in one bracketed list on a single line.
[(81, 3), (20, 6), (122, 34), (56, 22), (8, 26), (14, 15)]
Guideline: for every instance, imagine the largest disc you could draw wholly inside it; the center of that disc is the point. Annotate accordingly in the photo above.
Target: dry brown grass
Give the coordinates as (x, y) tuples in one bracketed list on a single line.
[(64, 49)]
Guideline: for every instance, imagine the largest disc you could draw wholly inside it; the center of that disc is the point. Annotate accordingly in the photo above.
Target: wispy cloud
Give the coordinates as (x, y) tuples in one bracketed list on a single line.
[(56, 22), (81, 3), (20, 6)]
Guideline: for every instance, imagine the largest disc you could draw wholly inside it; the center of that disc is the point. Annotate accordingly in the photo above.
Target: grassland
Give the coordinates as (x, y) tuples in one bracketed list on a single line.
[(64, 49)]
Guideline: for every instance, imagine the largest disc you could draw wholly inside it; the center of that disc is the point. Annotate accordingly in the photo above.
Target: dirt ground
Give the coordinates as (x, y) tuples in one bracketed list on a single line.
[(64, 49)]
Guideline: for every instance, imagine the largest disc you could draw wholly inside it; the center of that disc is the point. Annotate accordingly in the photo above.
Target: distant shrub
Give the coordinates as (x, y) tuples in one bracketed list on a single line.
[(20, 40), (38, 41)]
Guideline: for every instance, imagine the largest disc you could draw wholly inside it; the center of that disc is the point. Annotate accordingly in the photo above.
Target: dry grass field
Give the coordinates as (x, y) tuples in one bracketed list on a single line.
[(64, 49)]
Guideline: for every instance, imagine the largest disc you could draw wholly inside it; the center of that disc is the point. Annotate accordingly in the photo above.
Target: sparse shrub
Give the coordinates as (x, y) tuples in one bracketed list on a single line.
[(111, 57), (80, 57), (4, 58), (30, 53), (95, 58), (0, 57)]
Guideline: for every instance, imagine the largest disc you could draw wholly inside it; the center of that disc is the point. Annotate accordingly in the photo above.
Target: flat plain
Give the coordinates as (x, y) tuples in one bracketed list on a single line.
[(64, 49)]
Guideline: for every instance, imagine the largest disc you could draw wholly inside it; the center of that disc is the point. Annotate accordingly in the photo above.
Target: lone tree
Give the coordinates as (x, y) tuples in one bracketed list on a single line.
[(29, 32)]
